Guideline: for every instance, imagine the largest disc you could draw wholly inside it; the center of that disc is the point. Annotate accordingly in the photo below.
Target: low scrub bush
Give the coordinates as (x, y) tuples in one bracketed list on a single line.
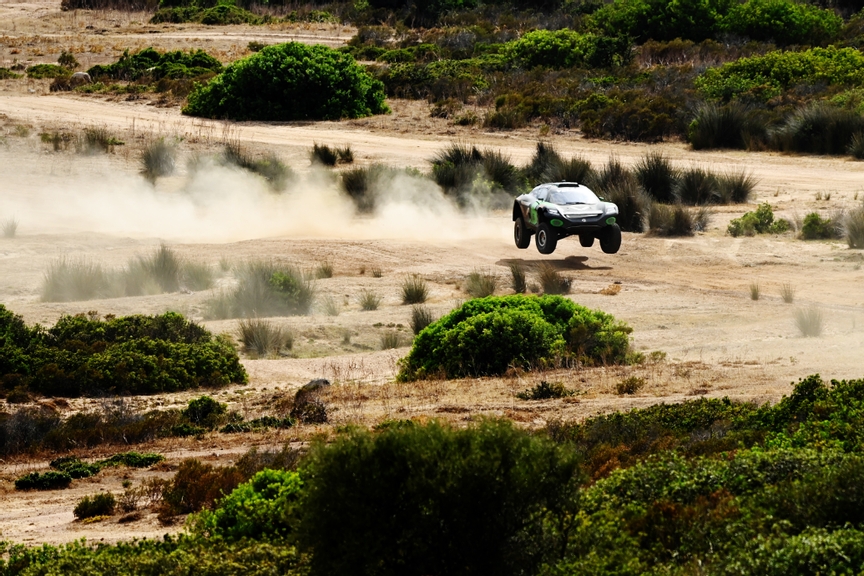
[(96, 140), (98, 505), (290, 81), (567, 49), (856, 146), (552, 281), (671, 220), (544, 391), (755, 291), (815, 227), (698, 187), (629, 385), (818, 129), (633, 204), (70, 280), (206, 412), (414, 290), (157, 160), (196, 486), (472, 175), (390, 340), (75, 468), (276, 173), (369, 300), (43, 481), (517, 279), (735, 188), (761, 221), (631, 114), (132, 459), (327, 156), (125, 355), (150, 65), (787, 293), (809, 321), (39, 71), (784, 22), (731, 125), (661, 20), (472, 500), (489, 335)]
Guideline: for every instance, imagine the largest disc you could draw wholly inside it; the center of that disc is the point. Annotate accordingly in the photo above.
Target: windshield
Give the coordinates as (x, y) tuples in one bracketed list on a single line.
[(579, 195)]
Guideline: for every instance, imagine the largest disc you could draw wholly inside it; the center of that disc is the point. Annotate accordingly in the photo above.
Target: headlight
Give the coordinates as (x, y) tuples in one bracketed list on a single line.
[(553, 212), (610, 209)]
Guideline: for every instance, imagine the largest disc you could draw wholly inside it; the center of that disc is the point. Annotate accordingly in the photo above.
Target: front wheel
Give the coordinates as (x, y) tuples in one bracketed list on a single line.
[(546, 239), (521, 234), (610, 239)]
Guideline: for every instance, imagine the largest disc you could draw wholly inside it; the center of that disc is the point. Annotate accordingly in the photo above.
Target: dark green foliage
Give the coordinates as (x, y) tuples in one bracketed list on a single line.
[(637, 114), (74, 467), (102, 504), (421, 317), (434, 500), (548, 166), (633, 203), (7, 74), (47, 71), (661, 19), (783, 22), (819, 129), (153, 65), (697, 187), (414, 290), (489, 335), (735, 188), (127, 355), (44, 481), (657, 177), (566, 49), (817, 228), (290, 81), (731, 125), (472, 175), (256, 425), (517, 282), (761, 221), (544, 391), (219, 15), (205, 411), (263, 508)]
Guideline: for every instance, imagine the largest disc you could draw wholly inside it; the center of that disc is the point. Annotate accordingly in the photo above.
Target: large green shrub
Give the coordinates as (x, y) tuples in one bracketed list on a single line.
[(783, 21), (290, 81), (765, 77), (126, 355), (489, 335), (264, 507), (566, 49), (431, 499), (661, 20)]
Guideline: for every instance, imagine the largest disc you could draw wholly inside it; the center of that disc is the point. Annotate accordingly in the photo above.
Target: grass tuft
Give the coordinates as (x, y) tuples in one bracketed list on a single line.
[(545, 391), (517, 279), (414, 290), (674, 220), (9, 228), (787, 293), (657, 177), (390, 340), (480, 285), (330, 305), (735, 188), (754, 291), (552, 281), (369, 300), (69, 280), (157, 160), (421, 317), (809, 321), (629, 385), (263, 338), (854, 228), (697, 187), (324, 270), (97, 139), (264, 288)]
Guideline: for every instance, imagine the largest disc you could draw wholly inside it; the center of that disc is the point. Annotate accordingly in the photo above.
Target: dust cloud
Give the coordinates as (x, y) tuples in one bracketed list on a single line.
[(66, 193)]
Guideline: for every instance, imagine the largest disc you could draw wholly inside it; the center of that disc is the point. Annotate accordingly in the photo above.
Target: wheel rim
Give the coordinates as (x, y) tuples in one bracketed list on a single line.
[(517, 232), (541, 238)]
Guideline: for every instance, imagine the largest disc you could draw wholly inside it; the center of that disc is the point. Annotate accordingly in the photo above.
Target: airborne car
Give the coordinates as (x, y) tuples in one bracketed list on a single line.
[(560, 209)]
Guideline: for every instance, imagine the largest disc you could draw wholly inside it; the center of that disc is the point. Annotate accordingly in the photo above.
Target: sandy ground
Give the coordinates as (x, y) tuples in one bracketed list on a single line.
[(689, 298)]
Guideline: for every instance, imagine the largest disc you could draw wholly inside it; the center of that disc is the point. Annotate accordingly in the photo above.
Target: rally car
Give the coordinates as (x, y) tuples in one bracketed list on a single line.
[(560, 209)]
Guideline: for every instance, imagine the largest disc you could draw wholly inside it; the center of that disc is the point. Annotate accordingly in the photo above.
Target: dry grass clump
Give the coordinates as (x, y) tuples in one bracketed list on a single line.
[(517, 282), (327, 156), (480, 284), (369, 300), (95, 140), (330, 306), (854, 228), (787, 293), (414, 290), (754, 291), (157, 159), (263, 338), (75, 279), (657, 176), (671, 220), (552, 281), (264, 288), (275, 172), (421, 317), (809, 321), (9, 227), (630, 385), (377, 272), (390, 340), (324, 270)]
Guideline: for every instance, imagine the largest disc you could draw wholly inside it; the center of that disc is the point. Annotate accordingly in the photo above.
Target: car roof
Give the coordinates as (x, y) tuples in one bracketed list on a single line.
[(563, 185)]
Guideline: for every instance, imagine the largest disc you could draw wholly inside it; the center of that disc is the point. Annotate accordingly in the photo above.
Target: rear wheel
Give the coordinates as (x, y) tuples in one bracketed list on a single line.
[(545, 239), (586, 240), (610, 239), (521, 234)]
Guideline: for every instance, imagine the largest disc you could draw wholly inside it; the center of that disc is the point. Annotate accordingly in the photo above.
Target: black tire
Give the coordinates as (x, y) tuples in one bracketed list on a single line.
[(610, 239), (545, 239), (586, 240), (521, 234)]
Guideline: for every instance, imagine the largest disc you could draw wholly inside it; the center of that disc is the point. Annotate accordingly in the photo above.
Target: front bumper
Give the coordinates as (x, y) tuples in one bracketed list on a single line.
[(567, 226)]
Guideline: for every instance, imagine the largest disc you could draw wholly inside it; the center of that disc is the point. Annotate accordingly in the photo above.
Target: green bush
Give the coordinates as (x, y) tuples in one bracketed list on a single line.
[(290, 81), (729, 126), (262, 508), (636, 115), (75, 468), (43, 481), (205, 411), (487, 336), (761, 221), (567, 49), (661, 20), (39, 71), (153, 65), (99, 505), (435, 500), (783, 21), (544, 391), (196, 486), (815, 227), (125, 355), (818, 129), (766, 76)]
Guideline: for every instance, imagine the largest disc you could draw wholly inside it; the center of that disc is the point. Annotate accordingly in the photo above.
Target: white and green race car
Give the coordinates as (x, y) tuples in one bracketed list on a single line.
[(560, 209)]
